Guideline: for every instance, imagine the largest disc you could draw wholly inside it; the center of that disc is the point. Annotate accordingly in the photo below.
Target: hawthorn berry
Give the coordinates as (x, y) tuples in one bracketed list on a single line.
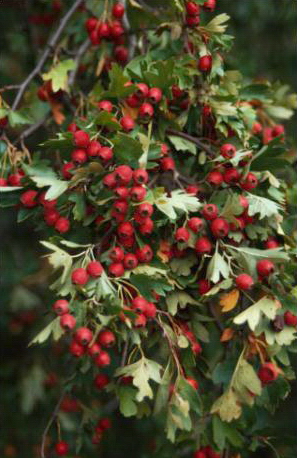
[(51, 217), (140, 176), (192, 21), (155, 95), (116, 31), (167, 164), (125, 229), (103, 359), (244, 281), (267, 373), (94, 269), (94, 350), (150, 310), (116, 269), (139, 304), (182, 235), (146, 227), (199, 454), (80, 276), (203, 286), (83, 335), (105, 105), (144, 254), (28, 198), (257, 128), (271, 243), (79, 156), (62, 225), (215, 178), (249, 182), (122, 192), (243, 202), (228, 150), (145, 210), (105, 153), (116, 254), (101, 381), (120, 206), (91, 24), (15, 179), (290, 319), (81, 139), (277, 130), (47, 204), (205, 63), (3, 182), (192, 189), (209, 5), (231, 176), (267, 135), (121, 54), (193, 382), (130, 261), (138, 193), (146, 111), (93, 149), (219, 227), (123, 174), (133, 101), (61, 448), (192, 8), (210, 211), (66, 168), (203, 246), (110, 180), (118, 10), (265, 267), (67, 322), (140, 321), (61, 307), (106, 338), (76, 349), (103, 424)]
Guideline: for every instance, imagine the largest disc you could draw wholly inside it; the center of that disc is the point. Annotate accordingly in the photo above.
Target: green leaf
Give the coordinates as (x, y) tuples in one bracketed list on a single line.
[(179, 200), (146, 285), (52, 328), (43, 177), (231, 208), (225, 284), (15, 118), (32, 388), (277, 254), (58, 74), (127, 405), (255, 91), (284, 337), (227, 407), (126, 149), (279, 112), (216, 24), (265, 207), (181, 144), (104, 287), (79, 209), (178, 298), (117, 83), (59, 259), (182, 267), (223, 431), (252, 315), (217, 268)]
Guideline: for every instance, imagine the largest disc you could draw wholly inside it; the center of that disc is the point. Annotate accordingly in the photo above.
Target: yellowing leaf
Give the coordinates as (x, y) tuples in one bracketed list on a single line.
[(229, 300), (227, 406), (227, 335), (58, 74)]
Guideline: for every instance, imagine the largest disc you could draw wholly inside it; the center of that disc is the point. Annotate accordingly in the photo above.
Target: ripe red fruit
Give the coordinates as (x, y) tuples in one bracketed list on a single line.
[(91, 24), (215, 178), (192, 21), (205, 63), (62, 225), (103, 359), (47, 204), (238, 224), (130, 261), (199, 454), (145, 210), (140, 176), (133, 101), (146, 111), (120, 206), (267, 135), (51, 217), (194, 384), (123, 174), (290, 319), (118, 10), (94, 350), (228, 150), (103, 30), (219, 227), (203, 286), (93, 149), (257, 128), (116, 254), (249, 182), (182, 235), (167, 164), (83, 335), (121, 54), (140, 321), (94, 269), (210, 211), (105, 153), (155, 95), (3, 182), (125, 229), (116, 269), (192, 8), (106, 338), (61, 448), (61, 306), (271, 243), (138, 193), (67, 322), (231, 176), (192, 189), (81, 138), (277, 130), (103, 424), (15, 179), (209, 5), (79, 156), (139, 304), (144, 254), (72, 127), (265, 267), (244, 281), (66, 170), (147, 227), (110, 180), (203, 246), (105, 105), (76, 349), (28, 198), (243, 202), (267, 373), (150, 310), (80, 276), (122, 192), (101, 380)]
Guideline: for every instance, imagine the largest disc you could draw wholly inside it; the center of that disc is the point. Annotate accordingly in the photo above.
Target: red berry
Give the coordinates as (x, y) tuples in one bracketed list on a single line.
[(192, 8), (130, 261), (195, 224), (231, 176), (120, 206), (28, 198), (116, 31), (103, 30), (110, 180), (243, 202), (94, 350), (209, 5), (244, 281), (61, 306), (116, 269), (105, 153), (122, 191), (203, 286), (140, 321), (105, 105), (51, 217), (106, 338), (290, 319), (192, 21), (249, 182), (210, 211), (265, 267), (83, 336), (144, 254), (91, 24), (81, 139), (133, 101), (103, 359), (142, 90), (140, 176), (139, 304), (219, 227), (138, 193), (67, 322), (177, 92), (93, 149), (123, 174), (199, 454), (182, 235), (66, 170), (267, 135), (150, 310), (147, 227), (101, 380), (237, 224), (125, 229), (196, 348), (103, 424), (76, 349), (3, 182), (15, 179), (80, 276), (118, 10), (205, 63), (167, 164), (194, 384), (79, 156), (215, 178), (155, 95), (192, 189), (277, 130), (62, 225), (257, 128), (267, 373), (94, 269), (47, 204), (203, 246), (121, 54), (61, 448), (127, 242), (228, 150), (271, 243), (146, 111), (116, 254), (145, 210)]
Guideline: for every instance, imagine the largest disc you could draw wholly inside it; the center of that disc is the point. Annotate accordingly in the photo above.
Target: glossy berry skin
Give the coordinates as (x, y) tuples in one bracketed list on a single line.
[(105, 153), (116, 269), (125, 229), (80, 276), (271, 243), (121, 54), (147, 227), (101, 381), (257, 128), (146, 111), (66, 170), (144, 254), (118, 10), (3, 182), (231, 176), (94, 350), (123, 174), (249, 182), (195, 224), (76, 349), (228, 150), (28, 198), (192, 21), (106, 338), (67, 322), (81, 139), (61, 306), (244, 282), (62, 225), (91, 24), (267, 373), (142, 90), (265, 267), (209, 5), (94, 148), (127, 123), (244, 202), (105, 105), (145, 209), (140, 176), (51, 217), (194, 384), (219, 227), (94, 269), (203, 246), (116, 254), (47, 204), (79, 156), (215, 178), (130, 261), (103, 359), (150, 310), (61, 448), (199, 454), (203, 286), (139, 304), (15, 179), (138, 193), (167, 164), (277, 130), (290, 319), (83, 335), (155, 95), (192, 8), (205, 63), (140, 321), (182, 235), (210, 211)]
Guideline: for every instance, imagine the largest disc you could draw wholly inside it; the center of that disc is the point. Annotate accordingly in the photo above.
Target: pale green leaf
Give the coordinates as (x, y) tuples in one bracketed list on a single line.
[(178, 299), (52, 328), (265, 207), (217, 268), (252, 315), (58, 74), (59, 259), (181, 144), (179, 200)]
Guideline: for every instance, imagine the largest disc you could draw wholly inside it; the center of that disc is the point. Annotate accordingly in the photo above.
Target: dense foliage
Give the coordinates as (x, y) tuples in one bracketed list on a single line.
[(162, 204)]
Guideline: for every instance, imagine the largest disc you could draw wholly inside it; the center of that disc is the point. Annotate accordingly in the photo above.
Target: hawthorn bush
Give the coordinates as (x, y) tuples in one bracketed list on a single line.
[(162, 203)]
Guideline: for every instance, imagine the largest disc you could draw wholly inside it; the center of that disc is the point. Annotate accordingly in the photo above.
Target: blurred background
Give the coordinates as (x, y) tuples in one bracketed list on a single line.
[(265, 46)]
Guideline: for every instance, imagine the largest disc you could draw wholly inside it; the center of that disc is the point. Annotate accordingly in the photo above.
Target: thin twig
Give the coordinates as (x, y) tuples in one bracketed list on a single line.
[(9, 87), (124, 354), (191, 139), (27, 132), (49, 424), (78, 56), (50, 45)]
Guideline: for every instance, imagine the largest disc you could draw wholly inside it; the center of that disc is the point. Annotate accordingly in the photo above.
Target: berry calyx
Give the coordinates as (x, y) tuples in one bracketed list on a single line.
[(155, 95), (210, 211), (182, 235), (249, 182), (228, 150), (140, 176)]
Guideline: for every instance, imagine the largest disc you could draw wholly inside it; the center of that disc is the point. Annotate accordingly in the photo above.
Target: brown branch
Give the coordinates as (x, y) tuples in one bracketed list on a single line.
[(191, 139), (50, 45), (78, 56), (49, 424), (9, 87)]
